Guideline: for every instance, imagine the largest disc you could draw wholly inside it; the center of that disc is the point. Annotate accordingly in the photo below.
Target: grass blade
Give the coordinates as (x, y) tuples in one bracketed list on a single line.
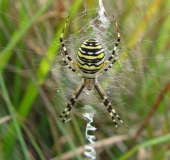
[(153, 142), (13, 115)]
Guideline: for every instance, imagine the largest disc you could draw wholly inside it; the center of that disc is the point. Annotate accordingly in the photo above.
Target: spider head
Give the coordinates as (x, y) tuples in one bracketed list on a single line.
[(89, 83)]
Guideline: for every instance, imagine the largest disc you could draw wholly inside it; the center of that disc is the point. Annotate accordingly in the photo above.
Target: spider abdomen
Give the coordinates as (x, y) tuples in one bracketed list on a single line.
[(90, 58)]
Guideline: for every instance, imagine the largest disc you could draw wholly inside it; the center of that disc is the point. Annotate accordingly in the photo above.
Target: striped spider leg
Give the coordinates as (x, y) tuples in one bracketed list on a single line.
[(71, 68), (64, 48), (117, 55), (66, 111), (113, 58), (113, 55), (108, 105), (72, 101)]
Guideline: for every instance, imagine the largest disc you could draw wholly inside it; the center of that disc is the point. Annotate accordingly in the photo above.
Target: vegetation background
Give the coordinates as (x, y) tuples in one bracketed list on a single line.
[(31, 101)]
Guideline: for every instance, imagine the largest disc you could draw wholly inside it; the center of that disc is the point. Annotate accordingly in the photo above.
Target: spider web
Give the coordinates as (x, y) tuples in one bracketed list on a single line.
[(132, 85)]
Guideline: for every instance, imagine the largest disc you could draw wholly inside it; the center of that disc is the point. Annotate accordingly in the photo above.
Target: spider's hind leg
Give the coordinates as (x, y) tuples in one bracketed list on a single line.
[(70, 104), (108, 105)]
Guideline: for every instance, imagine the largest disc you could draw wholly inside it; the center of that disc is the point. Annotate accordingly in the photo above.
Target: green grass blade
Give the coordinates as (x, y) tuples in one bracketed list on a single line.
[(150, 143), (18, 34), (13, 115)]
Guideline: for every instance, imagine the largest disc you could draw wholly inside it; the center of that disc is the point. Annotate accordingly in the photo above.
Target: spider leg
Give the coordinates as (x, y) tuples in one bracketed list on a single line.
[(110, 65), (64, 48), (71, 68), (114, 50), (108, 105), (72, 101)]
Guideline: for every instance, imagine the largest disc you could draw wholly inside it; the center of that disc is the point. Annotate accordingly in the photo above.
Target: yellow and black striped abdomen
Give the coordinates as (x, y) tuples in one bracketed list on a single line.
[(90, 57)]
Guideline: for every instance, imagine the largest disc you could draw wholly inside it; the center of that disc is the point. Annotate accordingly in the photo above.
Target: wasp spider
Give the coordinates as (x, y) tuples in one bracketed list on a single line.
[(90, 65)]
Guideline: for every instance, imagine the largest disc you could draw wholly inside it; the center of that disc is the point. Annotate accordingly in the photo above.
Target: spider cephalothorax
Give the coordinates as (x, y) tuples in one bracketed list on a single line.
[(91, 64)]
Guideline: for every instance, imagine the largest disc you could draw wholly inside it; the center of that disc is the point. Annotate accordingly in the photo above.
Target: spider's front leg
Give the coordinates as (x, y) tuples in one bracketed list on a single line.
[(72, 101), (113, 55), (70, 67), (117, 55), (64, 48), (108, 105)]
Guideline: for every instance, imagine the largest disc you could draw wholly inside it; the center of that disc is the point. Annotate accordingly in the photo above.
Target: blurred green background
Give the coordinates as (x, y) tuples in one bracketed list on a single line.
[(31, 101)]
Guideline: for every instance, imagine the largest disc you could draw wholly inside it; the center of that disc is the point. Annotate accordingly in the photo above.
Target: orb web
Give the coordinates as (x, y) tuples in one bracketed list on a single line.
[(133, 85)]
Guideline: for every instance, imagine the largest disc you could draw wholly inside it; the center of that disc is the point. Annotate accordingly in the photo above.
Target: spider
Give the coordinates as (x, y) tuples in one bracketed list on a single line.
[(90, 65)]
